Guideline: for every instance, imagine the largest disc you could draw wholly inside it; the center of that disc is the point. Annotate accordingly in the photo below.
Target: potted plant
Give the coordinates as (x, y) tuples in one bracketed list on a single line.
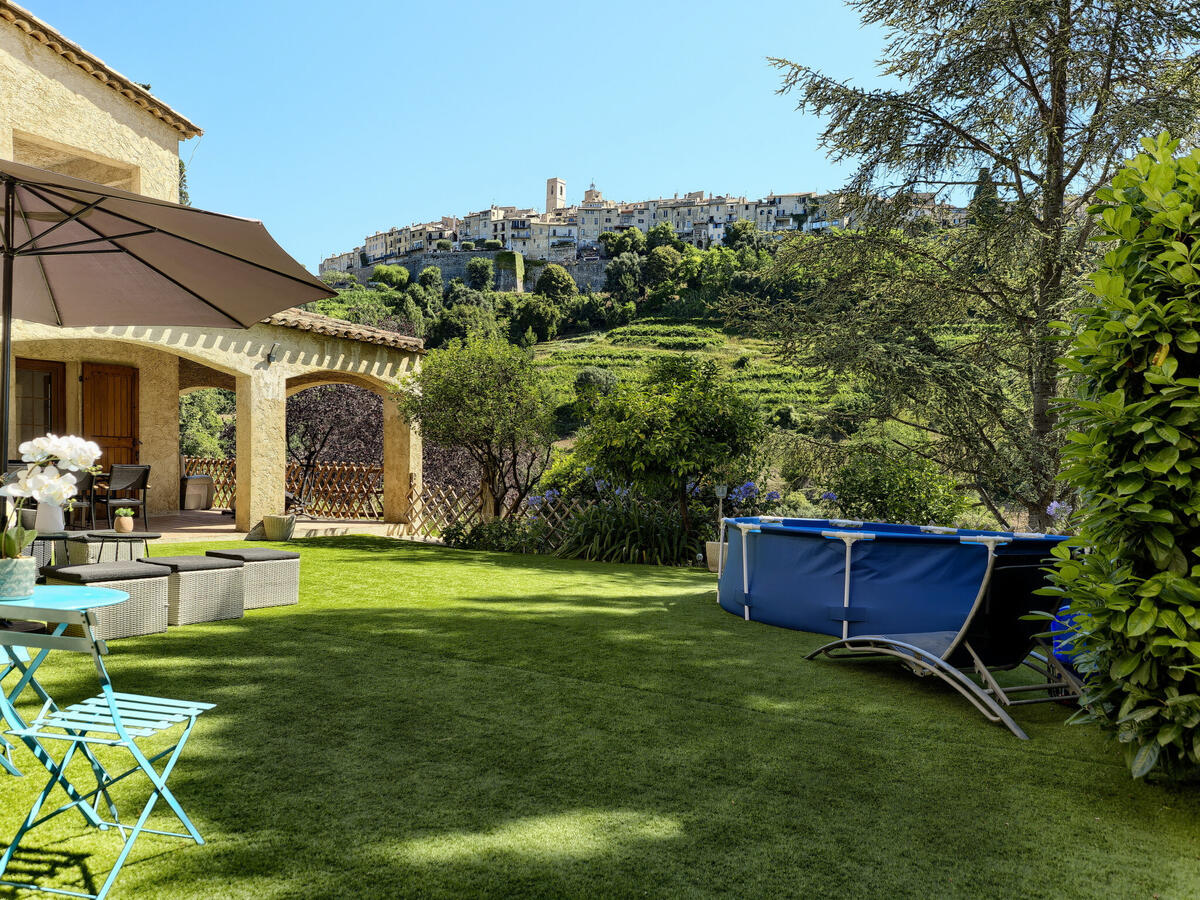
[(48, 480), (18, 573), (124, 520)]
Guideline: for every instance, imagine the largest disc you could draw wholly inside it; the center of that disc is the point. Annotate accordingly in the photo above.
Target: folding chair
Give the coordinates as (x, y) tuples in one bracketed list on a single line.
[(110, 719), (988, 633), (16, 659)]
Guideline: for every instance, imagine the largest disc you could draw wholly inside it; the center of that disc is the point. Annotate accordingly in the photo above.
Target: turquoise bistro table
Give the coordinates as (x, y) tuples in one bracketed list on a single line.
[(57, 597)]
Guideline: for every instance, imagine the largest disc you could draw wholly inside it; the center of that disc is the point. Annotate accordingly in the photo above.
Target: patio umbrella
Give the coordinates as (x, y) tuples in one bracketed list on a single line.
[(78, 253)]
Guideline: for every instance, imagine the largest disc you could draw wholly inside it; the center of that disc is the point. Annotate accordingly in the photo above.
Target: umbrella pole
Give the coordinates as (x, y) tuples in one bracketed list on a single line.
[(7, 314)]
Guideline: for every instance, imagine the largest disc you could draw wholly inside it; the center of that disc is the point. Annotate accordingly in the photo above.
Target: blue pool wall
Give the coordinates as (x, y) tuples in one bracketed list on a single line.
[(903, 580)]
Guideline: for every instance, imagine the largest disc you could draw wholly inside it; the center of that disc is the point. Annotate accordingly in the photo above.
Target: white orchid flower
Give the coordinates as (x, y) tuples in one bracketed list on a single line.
[(45, 484), (69, 452)]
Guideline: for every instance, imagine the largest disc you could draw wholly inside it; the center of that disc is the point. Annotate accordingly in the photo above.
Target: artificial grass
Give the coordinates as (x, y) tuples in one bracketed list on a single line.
[(432, 722)]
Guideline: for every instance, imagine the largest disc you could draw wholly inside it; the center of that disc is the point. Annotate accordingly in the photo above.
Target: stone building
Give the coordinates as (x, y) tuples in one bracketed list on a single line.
[(63, 109), (556, 194)]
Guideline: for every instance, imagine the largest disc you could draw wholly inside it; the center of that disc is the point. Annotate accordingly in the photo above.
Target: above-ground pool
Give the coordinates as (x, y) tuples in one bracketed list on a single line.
[(848, 579)]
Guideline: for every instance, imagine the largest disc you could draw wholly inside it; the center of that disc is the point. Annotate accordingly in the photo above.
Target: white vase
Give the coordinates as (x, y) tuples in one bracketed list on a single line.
[(49, 519)]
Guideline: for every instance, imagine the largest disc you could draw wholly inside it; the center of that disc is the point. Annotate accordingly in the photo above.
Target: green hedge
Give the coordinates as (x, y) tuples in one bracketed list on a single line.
[(1132, 454)]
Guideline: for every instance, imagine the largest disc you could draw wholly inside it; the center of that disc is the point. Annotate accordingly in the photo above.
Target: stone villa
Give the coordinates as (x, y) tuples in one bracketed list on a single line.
[(65, 110)]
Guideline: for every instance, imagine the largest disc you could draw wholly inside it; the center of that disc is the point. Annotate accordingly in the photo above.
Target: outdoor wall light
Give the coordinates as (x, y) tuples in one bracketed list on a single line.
[(273, 353)]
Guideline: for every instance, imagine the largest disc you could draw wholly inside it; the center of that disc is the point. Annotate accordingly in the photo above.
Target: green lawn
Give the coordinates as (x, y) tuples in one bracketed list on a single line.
[(432, 722)]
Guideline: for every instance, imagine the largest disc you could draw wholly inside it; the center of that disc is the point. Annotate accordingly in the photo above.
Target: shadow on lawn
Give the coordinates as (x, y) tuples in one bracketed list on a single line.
[(35, 865), (532, 738)]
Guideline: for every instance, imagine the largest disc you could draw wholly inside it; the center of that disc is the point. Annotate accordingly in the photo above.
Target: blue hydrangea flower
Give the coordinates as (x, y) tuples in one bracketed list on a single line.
[(1058, 510), (772, 496), (829, 495)]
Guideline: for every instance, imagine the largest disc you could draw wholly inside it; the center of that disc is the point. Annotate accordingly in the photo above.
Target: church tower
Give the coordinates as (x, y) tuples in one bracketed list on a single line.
[(556, 194)]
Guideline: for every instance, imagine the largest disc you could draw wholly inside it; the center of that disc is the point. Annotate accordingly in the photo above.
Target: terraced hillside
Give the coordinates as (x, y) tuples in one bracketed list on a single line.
[(627, 350)]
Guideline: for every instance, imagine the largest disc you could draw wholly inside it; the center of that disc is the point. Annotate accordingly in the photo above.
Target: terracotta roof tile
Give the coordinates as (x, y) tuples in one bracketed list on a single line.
[(303, 320)]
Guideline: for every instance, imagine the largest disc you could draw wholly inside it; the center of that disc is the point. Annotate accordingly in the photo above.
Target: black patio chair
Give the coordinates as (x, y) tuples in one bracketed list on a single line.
[(127, 487), (84, 501)]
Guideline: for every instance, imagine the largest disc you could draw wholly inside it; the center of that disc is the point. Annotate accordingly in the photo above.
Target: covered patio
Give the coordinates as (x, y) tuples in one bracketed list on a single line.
[(120, 386), (187, 525)]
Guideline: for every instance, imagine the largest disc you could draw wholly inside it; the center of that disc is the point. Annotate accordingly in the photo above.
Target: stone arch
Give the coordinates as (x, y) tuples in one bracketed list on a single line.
[(401, 442), (298, 383)]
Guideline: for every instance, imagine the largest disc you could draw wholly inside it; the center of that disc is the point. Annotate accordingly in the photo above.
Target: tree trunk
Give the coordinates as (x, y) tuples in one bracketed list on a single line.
[(1043, 371), (683, 510)]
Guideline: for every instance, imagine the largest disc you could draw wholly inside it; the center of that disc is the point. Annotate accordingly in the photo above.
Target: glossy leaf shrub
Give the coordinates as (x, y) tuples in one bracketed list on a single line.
[(1132, 455)]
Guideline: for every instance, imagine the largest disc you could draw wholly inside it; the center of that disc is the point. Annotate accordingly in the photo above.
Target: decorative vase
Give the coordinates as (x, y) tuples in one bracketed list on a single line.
[(712, 555), (49, 519), (123, 524), (279, 528), (17, 577)]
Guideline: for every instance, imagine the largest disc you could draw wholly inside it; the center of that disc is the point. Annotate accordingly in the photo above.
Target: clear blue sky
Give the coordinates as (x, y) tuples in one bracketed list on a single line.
[(332, 120)]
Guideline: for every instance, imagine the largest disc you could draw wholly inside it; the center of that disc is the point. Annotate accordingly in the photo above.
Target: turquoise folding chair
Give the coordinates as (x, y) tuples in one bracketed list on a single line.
[(110, 719), (8, 663), (16, 660)]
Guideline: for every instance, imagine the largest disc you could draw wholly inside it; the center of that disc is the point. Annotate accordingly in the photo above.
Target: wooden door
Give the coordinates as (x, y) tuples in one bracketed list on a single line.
[(110, 412)]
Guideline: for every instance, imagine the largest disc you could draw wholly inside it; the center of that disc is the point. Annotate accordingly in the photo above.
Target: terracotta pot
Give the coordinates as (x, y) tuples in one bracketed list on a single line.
[(123, 524)]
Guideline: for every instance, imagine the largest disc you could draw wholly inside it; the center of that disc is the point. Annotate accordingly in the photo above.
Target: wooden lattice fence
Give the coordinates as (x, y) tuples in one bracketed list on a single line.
[(222, 473), (334, 491), (433, 508), (352, 491), (555, 514), (339, 490)]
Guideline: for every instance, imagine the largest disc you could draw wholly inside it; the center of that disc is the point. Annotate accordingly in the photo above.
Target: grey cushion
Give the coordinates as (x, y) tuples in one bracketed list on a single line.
[(105, 571), (254, 555), (191, 563)]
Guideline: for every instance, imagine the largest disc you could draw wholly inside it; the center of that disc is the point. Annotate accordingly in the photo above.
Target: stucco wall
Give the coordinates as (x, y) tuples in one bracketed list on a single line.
[(302, 359), (44, 96), (158, 402)]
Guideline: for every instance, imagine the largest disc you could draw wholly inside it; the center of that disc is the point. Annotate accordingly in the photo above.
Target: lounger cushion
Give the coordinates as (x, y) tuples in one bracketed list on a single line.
[(94, 573), (191, 563), (254, 555)]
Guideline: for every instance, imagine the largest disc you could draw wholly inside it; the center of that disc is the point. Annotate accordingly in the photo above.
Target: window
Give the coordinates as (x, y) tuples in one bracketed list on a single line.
[(41, 398)]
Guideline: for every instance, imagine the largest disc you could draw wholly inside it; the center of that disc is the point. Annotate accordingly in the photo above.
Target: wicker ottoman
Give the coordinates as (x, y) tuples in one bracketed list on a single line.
[(272, 576), (145, 612), (201, 589)]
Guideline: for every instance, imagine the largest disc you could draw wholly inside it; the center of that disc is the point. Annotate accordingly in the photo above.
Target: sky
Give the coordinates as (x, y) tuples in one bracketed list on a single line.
[(330, 121)]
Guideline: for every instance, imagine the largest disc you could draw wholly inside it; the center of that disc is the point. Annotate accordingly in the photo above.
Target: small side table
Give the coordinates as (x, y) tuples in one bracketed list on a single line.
[(108, 546), (50, 548)]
